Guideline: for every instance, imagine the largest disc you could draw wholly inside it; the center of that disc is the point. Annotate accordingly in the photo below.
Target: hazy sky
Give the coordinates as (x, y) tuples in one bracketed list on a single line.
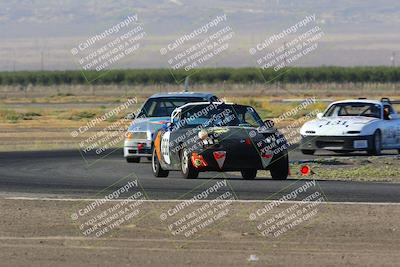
[(40, 34)]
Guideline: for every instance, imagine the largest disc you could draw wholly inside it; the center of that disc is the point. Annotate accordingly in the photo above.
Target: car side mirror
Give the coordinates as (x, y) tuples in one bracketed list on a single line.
[(393, 116), (269, 123), (320, 115), (130, 116)]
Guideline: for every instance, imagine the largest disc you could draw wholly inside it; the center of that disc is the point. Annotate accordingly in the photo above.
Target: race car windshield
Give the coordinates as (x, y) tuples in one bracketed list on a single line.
[(163, 107), (221, 115), (354, 109)]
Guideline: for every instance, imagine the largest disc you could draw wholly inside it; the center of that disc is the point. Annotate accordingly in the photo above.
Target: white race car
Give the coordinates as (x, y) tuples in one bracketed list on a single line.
[(353, 125)]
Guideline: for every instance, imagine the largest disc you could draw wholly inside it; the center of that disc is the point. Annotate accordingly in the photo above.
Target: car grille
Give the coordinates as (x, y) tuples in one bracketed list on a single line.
[(329, 143), (142, 151), (139, 135)]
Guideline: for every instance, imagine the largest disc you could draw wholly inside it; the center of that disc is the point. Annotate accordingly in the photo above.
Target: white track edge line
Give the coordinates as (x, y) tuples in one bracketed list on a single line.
[(177, 200)]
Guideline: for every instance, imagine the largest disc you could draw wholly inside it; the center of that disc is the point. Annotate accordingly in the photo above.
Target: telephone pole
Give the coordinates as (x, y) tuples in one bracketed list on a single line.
[(284, 51), (393, 59), (41, 61)]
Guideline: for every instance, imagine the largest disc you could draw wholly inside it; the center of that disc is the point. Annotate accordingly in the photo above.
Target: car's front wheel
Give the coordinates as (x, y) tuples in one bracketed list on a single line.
[(249, 174), (279, 168), (188, 170), (156, 166), (376, 148), (133, 160)]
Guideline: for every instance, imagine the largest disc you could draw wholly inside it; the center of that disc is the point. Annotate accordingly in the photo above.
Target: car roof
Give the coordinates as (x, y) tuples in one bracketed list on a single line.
[(207, 103), (366, 101), (205, 95)]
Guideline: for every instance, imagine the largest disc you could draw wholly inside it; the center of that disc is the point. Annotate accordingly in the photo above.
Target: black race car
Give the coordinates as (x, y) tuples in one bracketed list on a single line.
[(216, 136)]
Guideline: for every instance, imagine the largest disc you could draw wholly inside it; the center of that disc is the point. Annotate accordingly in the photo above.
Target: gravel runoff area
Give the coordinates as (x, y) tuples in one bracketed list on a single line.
[(46, 233)]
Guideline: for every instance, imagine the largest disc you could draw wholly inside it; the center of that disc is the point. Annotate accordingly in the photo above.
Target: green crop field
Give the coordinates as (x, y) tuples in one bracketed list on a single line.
[(205, 76)]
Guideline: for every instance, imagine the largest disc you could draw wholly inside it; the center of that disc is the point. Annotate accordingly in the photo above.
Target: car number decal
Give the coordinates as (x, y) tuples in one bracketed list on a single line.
[(165, 147)]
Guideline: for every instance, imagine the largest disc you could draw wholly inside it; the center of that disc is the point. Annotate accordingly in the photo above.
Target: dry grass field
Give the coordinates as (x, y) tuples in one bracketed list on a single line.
[(42, 118)]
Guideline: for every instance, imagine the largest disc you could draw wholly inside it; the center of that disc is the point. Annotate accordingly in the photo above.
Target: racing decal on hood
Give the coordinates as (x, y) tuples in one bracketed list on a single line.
[(148, 124), (220, 157), (158, 122), (266, 158), (345, 121), (336, 125)]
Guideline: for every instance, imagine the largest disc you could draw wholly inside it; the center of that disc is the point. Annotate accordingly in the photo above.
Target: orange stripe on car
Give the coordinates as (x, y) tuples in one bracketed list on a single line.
[(157, 145)]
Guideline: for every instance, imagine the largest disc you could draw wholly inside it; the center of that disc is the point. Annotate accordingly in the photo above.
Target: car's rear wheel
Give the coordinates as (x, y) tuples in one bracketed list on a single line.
[(376, 148), (249, 174), (188, 170), (156, 166), (133, 159), (308, 151), (279, 167)]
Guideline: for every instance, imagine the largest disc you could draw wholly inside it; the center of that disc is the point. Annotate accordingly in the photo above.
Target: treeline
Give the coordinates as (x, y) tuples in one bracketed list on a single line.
[(206, 75)]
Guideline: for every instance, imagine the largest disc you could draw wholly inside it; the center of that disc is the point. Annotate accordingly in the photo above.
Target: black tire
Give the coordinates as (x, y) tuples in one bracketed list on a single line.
[(308, 151), (279, 168), (156, 166), (376, 148), (249, 174), (187, 168), (133, 160)]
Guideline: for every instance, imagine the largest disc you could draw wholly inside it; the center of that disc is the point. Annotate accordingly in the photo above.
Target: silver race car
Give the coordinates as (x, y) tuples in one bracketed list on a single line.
[(154, 113)]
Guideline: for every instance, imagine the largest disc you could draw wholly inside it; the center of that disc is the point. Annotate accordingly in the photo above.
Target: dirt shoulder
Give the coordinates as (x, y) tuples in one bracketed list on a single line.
[(348, 167), (42, 233)]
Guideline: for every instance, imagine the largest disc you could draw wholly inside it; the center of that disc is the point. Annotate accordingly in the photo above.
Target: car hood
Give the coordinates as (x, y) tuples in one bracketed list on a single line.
[(336, 125), (246, 138), (148, 124), (225, 134)]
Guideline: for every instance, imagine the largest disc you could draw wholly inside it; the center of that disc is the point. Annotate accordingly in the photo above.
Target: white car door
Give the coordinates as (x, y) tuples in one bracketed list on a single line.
[(390, 135)]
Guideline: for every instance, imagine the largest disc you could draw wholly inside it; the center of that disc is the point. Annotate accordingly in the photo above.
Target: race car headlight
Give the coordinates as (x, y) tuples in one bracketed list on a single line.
[(129, 136), (136, 135), (203, 134)]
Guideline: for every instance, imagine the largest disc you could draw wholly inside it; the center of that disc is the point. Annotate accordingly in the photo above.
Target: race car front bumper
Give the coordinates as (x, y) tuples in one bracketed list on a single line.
[(235, 160), (137, 148), (348, 143)]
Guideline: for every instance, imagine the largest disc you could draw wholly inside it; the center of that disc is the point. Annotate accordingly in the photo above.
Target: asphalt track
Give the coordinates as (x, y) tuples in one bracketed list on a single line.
[(61, 174)]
